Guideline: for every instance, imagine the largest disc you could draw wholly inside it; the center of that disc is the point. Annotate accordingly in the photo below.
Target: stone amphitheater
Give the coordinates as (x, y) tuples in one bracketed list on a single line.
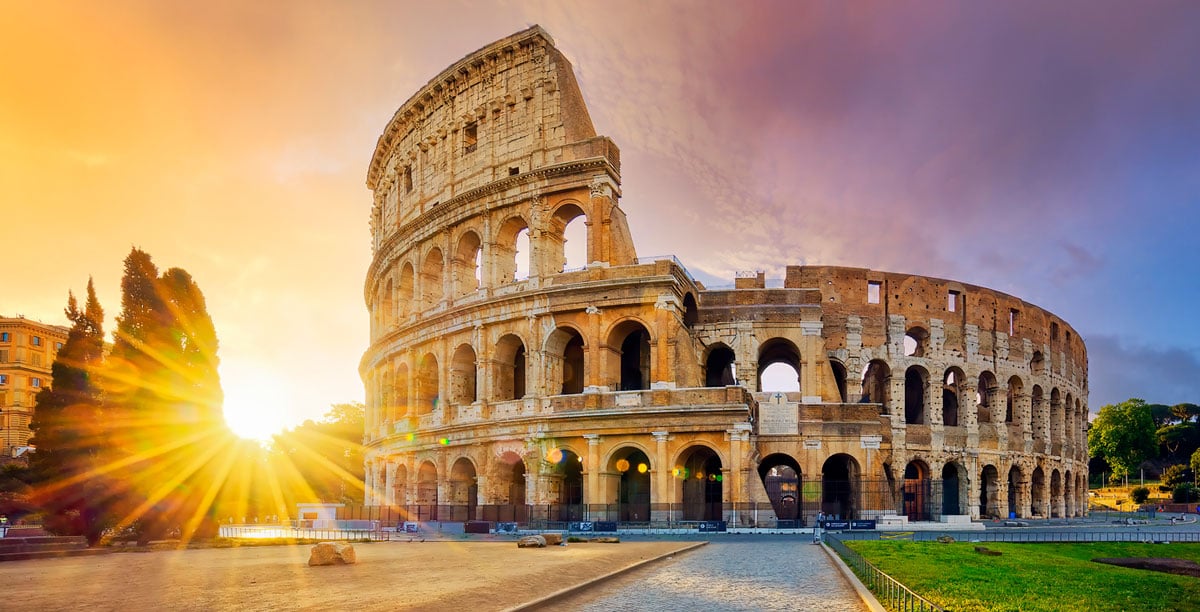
[(505, 381)]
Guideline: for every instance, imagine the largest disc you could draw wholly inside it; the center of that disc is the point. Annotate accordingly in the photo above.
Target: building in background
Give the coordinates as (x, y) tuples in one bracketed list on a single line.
[(27, 350), (504, 382)]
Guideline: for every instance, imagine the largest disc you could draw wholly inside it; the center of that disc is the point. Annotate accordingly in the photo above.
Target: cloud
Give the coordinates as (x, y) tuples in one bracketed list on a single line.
[(1121, 369)]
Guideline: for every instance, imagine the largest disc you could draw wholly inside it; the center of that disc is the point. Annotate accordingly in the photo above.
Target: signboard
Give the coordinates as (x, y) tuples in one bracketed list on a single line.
[(777, 417), (863, 524), (836, 524), (410, 527), (844, 525), (711, 526), (871, 442), (584, 526), (605, 526), (812, 445)]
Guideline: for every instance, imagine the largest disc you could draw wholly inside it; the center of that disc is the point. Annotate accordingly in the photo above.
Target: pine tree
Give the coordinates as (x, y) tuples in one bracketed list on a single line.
[(67, 421)]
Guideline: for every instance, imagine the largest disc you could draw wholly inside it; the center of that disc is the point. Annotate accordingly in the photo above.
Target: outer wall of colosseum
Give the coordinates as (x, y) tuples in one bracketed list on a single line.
[(502, 382)]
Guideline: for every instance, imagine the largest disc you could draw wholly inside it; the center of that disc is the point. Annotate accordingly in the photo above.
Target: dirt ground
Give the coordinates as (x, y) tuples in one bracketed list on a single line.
[(388, 576)]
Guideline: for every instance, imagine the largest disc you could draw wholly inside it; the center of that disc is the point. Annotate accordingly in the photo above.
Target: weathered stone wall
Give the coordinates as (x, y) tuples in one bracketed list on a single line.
[(566, 386)]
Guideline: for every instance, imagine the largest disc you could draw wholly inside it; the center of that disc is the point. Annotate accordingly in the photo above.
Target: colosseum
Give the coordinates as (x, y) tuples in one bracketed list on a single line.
[(505, 382)]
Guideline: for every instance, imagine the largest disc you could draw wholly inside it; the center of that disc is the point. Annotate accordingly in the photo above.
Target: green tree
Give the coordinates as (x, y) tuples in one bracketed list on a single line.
[(72, 489), (1179, 439), (1174, 475), (1195, 462), (1186, 412), (1124, 435), (1162, 415), (164, 391), (326, 456)]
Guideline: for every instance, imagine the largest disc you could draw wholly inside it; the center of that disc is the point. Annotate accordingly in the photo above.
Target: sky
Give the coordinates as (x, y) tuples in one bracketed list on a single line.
[(1047, 150)]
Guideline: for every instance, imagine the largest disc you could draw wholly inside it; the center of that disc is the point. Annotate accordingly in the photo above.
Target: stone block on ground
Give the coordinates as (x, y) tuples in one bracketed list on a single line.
[(553, 539), (532, 541), (606, 540), (332, 553)]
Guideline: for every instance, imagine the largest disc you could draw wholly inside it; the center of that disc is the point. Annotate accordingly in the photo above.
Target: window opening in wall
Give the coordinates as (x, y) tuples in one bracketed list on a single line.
[(408, 179), (780, 377), (575, 244), (523, 255), (915, 341), (513, 171), (1053, 331), (952, 301), (4, 337), (470, 137), (4, 356), (478, 267), (873, 291), (35, 382), (37, 340), (1012, 320), (3, 379)]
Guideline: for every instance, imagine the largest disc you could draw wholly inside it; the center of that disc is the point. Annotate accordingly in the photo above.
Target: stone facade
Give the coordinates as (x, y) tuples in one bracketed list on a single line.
[(27, 350), (626, 385)]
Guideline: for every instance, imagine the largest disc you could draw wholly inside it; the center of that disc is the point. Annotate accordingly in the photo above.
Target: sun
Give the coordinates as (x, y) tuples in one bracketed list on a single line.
[(254, 404)]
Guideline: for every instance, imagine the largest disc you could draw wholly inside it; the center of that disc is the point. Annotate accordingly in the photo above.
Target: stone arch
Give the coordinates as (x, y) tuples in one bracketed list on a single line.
[(840, 375), (840, 482), (388, 306), (699, 482), (504, 249), (405, 288), (510, 359), (916, 341), (719, 362), (428, 385), (1056, 494), (779, 351), (400, 485), (691, 314), (565, 352), (431, 278), (567, 471), (876, 385), (629, 485), (510, 486), (462, 489), (916, 396), (629, 355), (989, 492), (917, 491), (1037, 365), (952, 390), (463, 383), (781, 475), (1015, 389), (1037, 492), (1015, 482), (563, 222), (427, 490), (954, 489), (985, 397), (468, 264)]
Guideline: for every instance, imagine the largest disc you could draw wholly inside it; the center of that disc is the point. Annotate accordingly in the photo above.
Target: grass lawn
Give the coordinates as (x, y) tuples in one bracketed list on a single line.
[(1034, 577)]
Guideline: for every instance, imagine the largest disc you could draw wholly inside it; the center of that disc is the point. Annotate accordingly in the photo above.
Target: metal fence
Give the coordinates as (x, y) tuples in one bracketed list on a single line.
[(891, 593), (1134, 534)]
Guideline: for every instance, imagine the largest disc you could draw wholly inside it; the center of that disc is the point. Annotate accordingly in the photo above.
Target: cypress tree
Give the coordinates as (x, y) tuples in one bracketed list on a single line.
[(67, 426)]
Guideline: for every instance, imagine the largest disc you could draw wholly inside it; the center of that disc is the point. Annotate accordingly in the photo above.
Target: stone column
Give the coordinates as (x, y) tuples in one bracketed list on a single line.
[(592, 493), (662, 492)]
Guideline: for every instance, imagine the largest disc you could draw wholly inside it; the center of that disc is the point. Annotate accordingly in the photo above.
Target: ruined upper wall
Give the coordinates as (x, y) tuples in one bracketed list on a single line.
[(504, 110)]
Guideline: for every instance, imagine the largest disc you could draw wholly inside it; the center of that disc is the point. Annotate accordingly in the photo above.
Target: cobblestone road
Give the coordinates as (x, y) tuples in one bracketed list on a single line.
[(730, 573)]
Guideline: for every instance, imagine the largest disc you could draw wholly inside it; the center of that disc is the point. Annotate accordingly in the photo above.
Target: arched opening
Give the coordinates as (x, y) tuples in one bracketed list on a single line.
[(632, 359), (875, 383), (464, 492), (568, 470), (1014, 489), (699, 480), (1037, 365), (468, 257), (431, 278), (989, 492), (568, 236), (1037, 490), (1037, 404), (916, 342), (1015, 389), (400, 486), (839, 486), (388, 306), (917, 491), (509, 379), (404, 295), (951, 489), (916, 385), (427, 492), (951, 389), (1056, 495), (778, 366), (462, 375), (1069, 493), (632, 468), (839, 379), (511, 488), (564, 350), (511, 251), (691, 314), (401, 404), (1056, 419), (718, 367), (985, 396), (428, 389), (782, 478)]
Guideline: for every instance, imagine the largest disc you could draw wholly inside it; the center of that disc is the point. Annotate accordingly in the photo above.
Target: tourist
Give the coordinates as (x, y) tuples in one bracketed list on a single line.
[(817, 527)]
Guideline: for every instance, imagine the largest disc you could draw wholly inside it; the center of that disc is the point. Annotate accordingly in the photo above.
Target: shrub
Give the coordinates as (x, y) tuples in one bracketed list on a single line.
[(1185, 493), (1139, 495), (1176, 475)]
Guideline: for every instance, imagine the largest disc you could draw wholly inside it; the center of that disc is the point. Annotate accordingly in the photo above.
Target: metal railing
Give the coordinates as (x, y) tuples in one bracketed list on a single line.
[(1020, 536), (890, 592)]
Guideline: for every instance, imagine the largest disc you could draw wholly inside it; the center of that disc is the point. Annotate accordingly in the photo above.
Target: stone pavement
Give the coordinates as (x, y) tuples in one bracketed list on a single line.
[(730, 573)]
